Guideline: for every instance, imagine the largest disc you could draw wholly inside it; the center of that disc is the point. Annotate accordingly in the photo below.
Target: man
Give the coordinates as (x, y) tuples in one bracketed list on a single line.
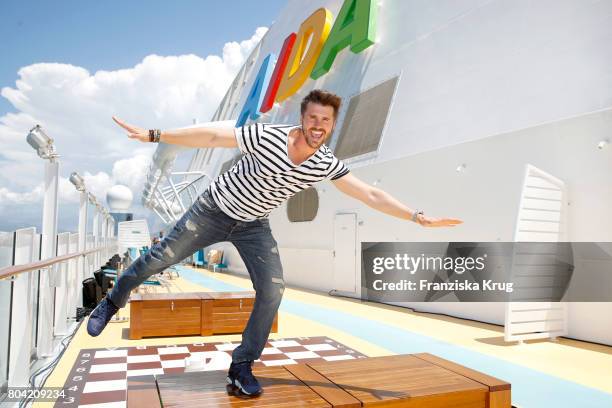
[(278, 162)]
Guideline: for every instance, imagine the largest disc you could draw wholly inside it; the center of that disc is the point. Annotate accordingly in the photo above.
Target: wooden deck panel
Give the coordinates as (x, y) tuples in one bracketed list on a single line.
[(494, 384), (408, 381), (403, 380), (333, 394), (142, 392), (210, 389)]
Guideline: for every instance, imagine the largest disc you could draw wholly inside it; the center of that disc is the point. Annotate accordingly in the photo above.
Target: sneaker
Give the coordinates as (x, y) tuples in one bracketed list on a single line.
[(241, 376), (99, 317)]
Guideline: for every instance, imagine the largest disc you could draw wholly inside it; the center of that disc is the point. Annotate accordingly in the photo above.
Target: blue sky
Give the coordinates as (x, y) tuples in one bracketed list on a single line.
[(115, 34), (153, 63)]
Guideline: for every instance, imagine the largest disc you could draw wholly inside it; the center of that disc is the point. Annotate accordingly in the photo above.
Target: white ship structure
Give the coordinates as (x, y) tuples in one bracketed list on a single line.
[(495, 112)]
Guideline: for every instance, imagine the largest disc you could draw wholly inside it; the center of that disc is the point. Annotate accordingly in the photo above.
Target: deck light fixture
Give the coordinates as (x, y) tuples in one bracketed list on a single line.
[(77, 181), (42, 143)]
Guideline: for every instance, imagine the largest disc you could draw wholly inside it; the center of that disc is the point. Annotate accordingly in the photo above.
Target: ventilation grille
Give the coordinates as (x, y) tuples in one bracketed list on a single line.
[(303, 206), (365, 120)]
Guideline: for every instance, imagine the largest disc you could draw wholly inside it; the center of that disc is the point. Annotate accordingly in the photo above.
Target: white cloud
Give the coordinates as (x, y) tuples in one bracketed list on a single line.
[(132, 172), (75, 107), (21, 198)]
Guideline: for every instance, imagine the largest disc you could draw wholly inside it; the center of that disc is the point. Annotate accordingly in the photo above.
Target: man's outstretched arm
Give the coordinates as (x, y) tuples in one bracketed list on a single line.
[(384, 202), (193, 137)]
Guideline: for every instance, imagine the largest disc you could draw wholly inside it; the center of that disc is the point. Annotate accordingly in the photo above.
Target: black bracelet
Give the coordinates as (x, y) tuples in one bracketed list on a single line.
[(151, 135)]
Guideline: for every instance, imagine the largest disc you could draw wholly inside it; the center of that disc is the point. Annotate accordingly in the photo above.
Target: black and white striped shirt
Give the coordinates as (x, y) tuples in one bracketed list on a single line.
[(265, 176)]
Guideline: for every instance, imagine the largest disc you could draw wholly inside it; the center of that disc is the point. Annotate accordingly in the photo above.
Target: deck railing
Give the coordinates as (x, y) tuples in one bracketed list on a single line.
[(34, 317)]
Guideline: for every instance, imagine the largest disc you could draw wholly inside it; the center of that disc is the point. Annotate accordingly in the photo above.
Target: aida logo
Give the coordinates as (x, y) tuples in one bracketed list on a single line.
[(310, 53)]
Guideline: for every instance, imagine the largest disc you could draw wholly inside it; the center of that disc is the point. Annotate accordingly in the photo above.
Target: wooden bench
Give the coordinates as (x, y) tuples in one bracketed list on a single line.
[(408, 381), (190, 314)]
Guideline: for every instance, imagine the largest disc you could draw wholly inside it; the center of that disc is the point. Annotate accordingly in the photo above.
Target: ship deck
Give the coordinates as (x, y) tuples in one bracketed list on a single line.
[(563, 373)]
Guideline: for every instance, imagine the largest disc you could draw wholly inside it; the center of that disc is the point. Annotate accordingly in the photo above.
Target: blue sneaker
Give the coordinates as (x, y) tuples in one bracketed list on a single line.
[(241, 376), (99, 317)]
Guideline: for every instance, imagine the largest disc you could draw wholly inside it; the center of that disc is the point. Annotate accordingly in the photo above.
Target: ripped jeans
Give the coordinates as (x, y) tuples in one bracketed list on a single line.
[(205, 224)]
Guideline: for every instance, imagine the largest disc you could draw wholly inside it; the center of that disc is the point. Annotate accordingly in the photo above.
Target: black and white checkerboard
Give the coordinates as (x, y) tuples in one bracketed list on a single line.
[(99, 376)]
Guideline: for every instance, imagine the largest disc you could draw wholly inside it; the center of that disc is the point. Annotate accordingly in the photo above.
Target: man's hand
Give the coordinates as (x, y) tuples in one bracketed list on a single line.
[(210, 136), (133, 131), (437, 222)]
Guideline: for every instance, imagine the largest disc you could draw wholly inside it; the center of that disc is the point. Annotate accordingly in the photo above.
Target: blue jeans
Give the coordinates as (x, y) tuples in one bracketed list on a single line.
[(205, 224)]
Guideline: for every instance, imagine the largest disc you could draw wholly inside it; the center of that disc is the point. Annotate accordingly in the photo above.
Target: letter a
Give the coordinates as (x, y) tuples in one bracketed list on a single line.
[(355, 26), (256, 95)]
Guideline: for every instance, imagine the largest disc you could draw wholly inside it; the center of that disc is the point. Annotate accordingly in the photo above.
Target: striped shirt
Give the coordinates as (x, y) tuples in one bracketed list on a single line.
[(265, 176)]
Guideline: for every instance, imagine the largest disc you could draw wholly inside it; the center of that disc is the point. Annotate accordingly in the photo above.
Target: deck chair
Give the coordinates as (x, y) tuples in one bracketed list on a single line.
[(199, 260), (216, 260)]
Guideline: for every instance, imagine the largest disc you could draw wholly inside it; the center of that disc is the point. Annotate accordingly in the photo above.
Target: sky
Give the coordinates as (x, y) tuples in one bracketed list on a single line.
[(70, 65)]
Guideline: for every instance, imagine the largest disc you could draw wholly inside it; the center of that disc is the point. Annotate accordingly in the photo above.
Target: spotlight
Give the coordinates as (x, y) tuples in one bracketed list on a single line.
[(603, 144), (42, 143), (77, 180)]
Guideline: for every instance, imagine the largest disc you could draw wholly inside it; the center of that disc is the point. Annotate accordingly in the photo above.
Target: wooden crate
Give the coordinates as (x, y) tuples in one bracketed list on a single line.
[(231, 311), (408, 381), (190, 314)]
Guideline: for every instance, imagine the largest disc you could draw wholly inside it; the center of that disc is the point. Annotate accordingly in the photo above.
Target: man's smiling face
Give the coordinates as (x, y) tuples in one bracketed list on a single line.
[(317, 123)]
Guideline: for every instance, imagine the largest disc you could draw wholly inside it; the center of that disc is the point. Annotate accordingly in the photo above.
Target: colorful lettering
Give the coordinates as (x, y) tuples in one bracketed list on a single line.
[(313, 32), (250, 110), (281, 64), (355, 26)]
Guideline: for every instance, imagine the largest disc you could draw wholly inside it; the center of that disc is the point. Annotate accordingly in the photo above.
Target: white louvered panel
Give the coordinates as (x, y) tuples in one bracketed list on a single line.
[(532, 260), (533, 294), (535, 248), (537, 315), (538, 181), (133, 234), (530, 203), (539, 236), (539, 327), (535, 271), (540, 281), (539, 226), (542, 193), (537, 335), (532, 306), (531, 270), (539, 215)]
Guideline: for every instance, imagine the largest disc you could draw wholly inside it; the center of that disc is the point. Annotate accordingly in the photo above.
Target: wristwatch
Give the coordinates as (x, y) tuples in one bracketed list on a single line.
[(415, 214)]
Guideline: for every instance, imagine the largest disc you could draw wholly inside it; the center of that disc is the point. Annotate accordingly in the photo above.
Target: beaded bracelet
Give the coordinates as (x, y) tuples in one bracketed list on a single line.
[(154, 135)]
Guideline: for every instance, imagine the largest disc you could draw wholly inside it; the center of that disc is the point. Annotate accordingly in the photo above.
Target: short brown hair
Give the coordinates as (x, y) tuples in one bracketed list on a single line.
[(322, 98)]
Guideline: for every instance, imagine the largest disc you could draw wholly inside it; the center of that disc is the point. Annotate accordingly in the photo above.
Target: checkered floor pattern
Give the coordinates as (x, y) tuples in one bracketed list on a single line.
[(99, 376)]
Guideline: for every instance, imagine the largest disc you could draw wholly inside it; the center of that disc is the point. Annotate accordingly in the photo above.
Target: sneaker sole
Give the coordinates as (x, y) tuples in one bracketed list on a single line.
[(237, 384)]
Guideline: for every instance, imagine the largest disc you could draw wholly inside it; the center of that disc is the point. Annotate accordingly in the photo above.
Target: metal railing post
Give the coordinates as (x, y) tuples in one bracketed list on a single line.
[(47, 280), (20, 341), (61, 298), (81, 244), (96, 236)]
